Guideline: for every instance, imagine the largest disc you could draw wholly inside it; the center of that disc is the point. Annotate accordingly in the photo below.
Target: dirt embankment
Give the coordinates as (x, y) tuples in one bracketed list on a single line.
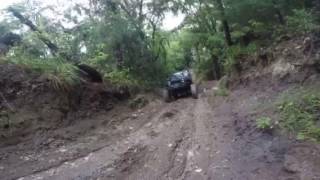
[(207, 138), (36, 119), (28, 103), (292, 60)]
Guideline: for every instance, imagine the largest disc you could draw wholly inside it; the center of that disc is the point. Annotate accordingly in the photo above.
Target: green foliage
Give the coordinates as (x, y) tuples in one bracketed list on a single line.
[(204, 67), (301, 116), (264, 123), (206, 51), (122, 78), (124, 39), (64, 77), (235, 53), (301, 21), (178, 56)]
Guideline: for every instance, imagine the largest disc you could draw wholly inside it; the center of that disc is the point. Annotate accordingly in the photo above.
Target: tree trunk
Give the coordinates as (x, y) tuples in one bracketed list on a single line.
[(280, 17), (316, 10), (141, 18), (225, 23), (278, 13), (119, 56), (216, 68)]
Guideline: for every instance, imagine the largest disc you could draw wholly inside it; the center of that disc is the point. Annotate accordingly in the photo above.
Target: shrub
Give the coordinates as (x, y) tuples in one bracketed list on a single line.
[(264, 123), (64, 77)]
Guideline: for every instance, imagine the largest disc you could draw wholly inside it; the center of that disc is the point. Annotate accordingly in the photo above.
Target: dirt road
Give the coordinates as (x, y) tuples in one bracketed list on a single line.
[(189, 139)]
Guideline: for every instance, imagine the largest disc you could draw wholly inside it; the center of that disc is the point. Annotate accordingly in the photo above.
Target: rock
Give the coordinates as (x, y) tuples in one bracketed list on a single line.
[(134, 116), (291, 164), (198, 170), (63, 150), (282, 68), (149, 125)]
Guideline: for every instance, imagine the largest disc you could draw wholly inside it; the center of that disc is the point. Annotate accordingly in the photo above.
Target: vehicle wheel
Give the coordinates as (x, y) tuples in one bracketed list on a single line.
[(174, 95), (166, 95), (194, 91)]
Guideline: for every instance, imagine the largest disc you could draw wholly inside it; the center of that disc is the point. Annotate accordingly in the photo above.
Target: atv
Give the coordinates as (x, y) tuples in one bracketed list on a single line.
[(180, 84)]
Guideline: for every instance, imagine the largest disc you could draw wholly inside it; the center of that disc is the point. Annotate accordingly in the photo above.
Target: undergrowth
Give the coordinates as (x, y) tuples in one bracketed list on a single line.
[(301, 115), (301, 22)]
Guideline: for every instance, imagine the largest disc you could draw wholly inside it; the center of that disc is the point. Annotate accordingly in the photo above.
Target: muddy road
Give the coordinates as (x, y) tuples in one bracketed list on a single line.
[(190, 139)]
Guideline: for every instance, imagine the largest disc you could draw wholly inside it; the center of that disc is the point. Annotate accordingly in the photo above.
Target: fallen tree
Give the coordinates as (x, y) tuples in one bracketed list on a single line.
[(84, 70)]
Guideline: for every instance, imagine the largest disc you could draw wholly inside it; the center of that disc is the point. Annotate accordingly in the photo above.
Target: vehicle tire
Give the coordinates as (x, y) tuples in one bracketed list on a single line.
[(194, 91), (166, 95)]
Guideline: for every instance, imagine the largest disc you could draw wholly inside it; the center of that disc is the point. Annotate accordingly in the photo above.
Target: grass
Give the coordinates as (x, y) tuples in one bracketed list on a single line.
[(221, 92), (62, 75), (222, 88)]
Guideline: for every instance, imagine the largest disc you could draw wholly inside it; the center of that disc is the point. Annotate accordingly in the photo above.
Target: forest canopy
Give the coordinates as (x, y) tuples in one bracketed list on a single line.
[(125, 41)]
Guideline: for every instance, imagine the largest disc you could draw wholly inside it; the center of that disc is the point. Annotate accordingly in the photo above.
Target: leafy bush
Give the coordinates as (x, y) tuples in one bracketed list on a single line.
[(301, 21), (122, 78), (264, 123), (300, 117), (100, 61)]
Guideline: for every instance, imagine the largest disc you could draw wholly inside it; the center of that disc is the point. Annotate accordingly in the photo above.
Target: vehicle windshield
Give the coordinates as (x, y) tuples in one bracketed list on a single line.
[(176, 77)]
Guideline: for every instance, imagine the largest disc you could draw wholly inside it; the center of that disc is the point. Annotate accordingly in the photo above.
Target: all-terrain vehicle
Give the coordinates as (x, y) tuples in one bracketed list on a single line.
[(180, 84)]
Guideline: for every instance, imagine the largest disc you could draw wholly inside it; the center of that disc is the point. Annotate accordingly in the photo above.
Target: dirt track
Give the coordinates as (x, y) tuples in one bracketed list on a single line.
[(210, 138), (186, 139)]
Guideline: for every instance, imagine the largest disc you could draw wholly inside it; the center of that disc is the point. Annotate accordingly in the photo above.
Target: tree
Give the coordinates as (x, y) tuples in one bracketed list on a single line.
[(278, 12), (225, 22), (316, 10), (125, 38)]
